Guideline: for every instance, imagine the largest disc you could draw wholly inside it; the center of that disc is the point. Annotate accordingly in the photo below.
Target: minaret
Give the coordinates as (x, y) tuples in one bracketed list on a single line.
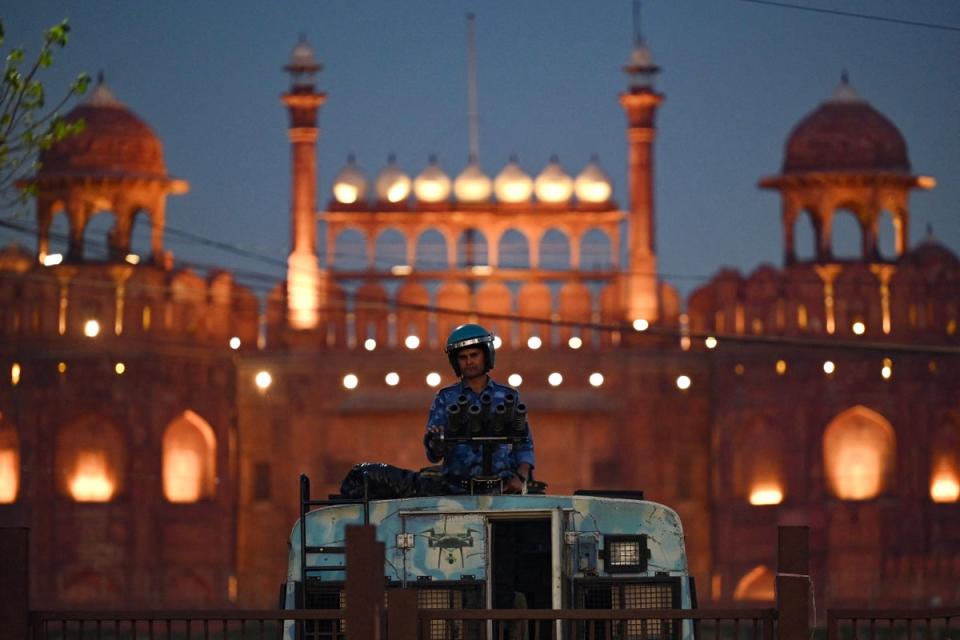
[(304, 293), (640, 102)]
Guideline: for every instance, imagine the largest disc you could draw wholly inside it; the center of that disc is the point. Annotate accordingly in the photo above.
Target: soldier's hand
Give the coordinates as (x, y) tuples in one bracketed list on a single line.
[(437, 444)]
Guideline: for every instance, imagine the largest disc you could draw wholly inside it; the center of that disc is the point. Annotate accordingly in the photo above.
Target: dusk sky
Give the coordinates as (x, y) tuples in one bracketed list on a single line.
[(737, 77)]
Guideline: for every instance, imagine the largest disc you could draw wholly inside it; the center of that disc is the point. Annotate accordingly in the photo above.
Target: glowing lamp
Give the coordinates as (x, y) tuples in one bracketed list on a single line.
[(132, 258), (433, 379), (234, 343), (392, 378), (9, 476), (555, 379), (119, 368), (859, 328), (596, 379), (641, 324), (534, 342), (575, 342), (683, 382), (263, 380), (62, 367), (766, 495), (411, 342), (781, 367), (710, 342), (515, 380), (90, 481), (350, 381), (829, 367), (91, 328), (52, 259), (369, 344), (497, 342), (945, 487), (15, 373)]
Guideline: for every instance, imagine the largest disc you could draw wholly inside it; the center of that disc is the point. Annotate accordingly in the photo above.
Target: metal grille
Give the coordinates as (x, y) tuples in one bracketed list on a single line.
[(451, 598), (659, 594), (324, 596), (624, 553)]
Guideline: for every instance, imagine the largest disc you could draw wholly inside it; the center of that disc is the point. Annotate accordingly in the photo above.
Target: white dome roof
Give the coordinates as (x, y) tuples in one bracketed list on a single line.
[(593, 184), (472, 185), (432, 185), (512, 184), (350, 185), (553, 184), (392, 185)]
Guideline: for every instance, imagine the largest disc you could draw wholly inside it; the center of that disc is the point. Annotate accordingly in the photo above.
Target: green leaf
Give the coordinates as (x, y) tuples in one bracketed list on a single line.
[(15, 55), (80, 85), (45, 59)]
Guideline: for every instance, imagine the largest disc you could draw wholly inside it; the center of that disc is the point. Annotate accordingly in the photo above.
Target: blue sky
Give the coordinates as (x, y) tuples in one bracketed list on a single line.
[(737, 77)]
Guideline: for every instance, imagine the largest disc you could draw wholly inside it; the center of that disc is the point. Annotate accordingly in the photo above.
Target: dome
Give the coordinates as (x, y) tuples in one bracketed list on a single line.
[(845, 133), (432, 185), (114, 142), (350, 185), (512, 184), (392, 185), (593, 184), (472, 185), (553, 185), (640, 68)]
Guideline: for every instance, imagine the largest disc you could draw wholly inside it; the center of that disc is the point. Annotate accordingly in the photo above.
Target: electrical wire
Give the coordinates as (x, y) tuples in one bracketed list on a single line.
[(854, 14)]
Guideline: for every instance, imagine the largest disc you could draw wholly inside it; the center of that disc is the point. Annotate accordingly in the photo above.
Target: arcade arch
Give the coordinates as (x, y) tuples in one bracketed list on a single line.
[(859, 447), (189, 459)]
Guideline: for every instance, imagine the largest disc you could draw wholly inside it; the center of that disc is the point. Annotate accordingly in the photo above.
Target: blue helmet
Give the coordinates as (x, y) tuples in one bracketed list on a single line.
[(470, 335)]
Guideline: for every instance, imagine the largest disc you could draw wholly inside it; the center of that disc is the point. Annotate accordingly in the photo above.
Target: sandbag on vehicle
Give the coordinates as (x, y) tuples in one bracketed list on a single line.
[(385, 481)]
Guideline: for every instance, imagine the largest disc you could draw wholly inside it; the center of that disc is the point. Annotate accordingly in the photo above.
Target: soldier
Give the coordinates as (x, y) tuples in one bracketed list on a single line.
[(471, 353)]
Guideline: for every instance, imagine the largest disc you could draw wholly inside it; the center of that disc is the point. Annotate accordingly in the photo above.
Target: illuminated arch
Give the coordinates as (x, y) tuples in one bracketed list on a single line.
[(757, 584), (90, 457), (758, 462), (9, 463), (189, 459), (945, 463), (858, 453), (453, 302), (494, 298)]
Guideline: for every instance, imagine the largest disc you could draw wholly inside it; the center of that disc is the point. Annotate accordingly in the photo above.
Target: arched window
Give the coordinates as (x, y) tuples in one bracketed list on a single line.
[(846, 235), (858, 453), (96, 233), (555, 250), (758, 467), (514, 250), (391, 250), (945, 463), (472, 249), (189, 459), (804, 237), (596, 252), (9, 463), (756, 584), (350, 253), (90, 458), (432, 251)]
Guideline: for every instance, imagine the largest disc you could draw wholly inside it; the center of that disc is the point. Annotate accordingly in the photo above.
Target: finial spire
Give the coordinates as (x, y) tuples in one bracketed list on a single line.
[(637, 31), (473, 118)]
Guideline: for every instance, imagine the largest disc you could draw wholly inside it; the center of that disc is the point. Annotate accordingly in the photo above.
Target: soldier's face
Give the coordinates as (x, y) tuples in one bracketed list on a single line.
[(471, 362)]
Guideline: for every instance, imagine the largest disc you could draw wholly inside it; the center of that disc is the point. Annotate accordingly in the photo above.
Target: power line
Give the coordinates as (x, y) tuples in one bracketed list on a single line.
[(853, 14)]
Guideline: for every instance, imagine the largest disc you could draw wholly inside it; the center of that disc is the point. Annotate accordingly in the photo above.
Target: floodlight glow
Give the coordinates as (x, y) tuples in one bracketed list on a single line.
[(575, 342), (859, 328), (829, 367), (369, 344), (534, 342), (596, 379), (515, 380), (119, 368), (411, 342), (710, 342), (52, 259), (401, 270), (15, 373), (350, 381), (781, 367), (62, 367), (91, 328), (234, 343), (641, 324), (555, 379), (263, 380), (392, 378), (683, 382), (132, 258), (433, 379), (497, 342)]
